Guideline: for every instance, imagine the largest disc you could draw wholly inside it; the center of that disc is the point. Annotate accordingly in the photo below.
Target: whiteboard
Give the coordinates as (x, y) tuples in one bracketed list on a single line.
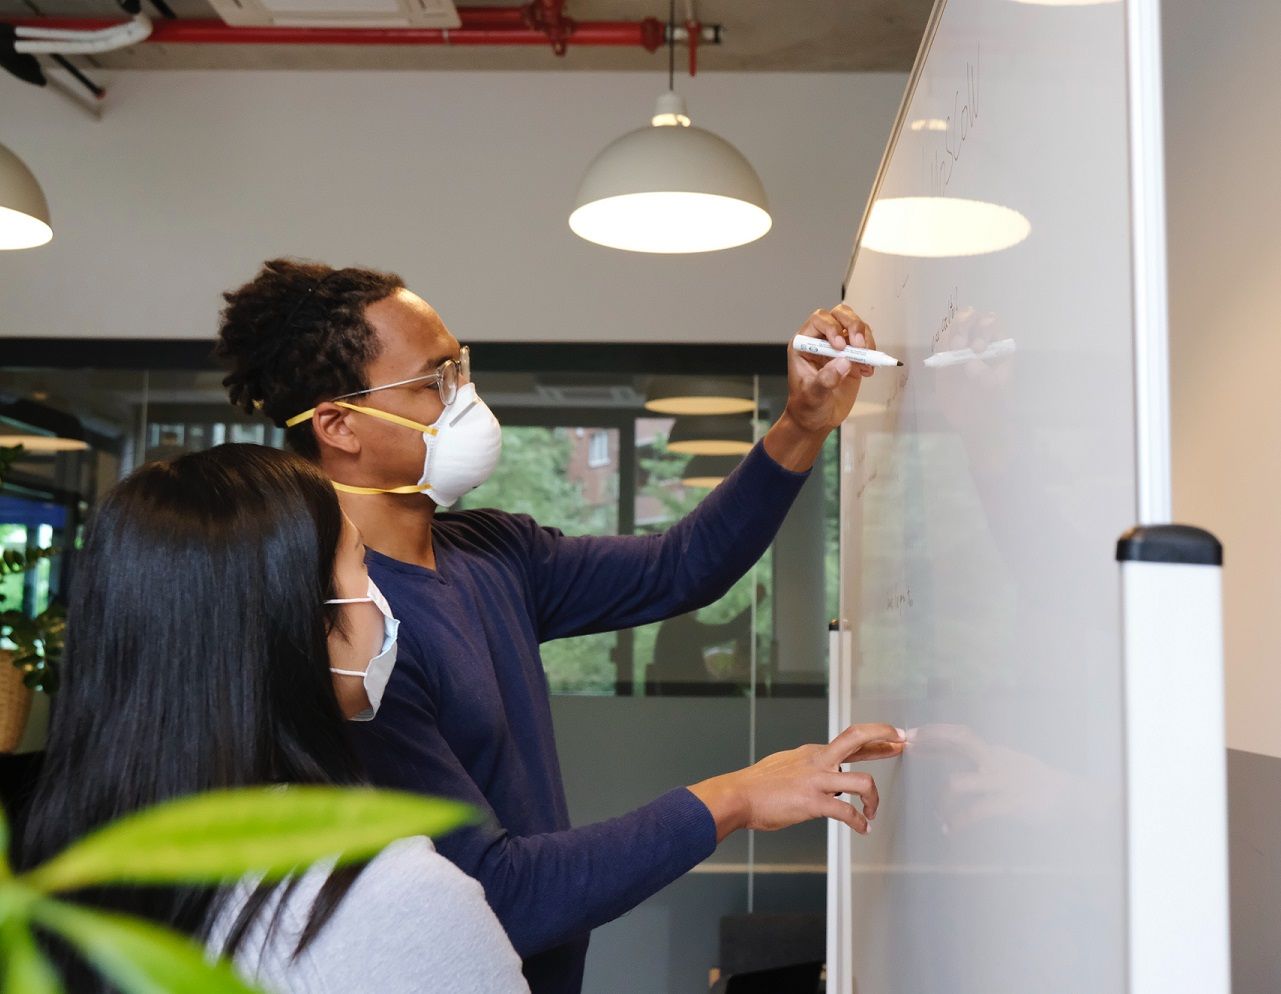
[(984, 486)]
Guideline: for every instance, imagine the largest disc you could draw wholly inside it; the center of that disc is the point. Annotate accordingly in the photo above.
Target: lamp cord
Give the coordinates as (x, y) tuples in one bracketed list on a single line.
[(671, 45)]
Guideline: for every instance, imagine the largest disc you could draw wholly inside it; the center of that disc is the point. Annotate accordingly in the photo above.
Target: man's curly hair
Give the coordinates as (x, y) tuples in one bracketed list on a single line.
[(296, 335)]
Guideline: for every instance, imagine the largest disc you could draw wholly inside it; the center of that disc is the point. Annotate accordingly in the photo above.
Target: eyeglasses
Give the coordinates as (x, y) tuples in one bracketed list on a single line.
[(447, 378)]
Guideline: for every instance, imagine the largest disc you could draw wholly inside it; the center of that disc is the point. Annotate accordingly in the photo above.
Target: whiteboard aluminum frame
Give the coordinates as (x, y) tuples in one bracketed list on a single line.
[(1176, 865), (918, 66), (840, 898), (1149, 285)]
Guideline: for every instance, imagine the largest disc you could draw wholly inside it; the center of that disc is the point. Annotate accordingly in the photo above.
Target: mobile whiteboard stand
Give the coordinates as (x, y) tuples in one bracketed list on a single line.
[(1176, 795), (840, 898)]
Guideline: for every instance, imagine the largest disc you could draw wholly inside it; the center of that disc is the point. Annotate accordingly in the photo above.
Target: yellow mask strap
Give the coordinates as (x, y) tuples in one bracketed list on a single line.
[(410, 489), (373, 412)]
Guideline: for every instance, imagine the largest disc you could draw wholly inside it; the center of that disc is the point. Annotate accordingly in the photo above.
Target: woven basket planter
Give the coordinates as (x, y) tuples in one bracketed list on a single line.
[(15, 703)]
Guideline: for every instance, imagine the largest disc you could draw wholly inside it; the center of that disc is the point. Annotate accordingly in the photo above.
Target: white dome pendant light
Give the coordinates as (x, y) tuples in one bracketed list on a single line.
[(24, 214), (671, 187)]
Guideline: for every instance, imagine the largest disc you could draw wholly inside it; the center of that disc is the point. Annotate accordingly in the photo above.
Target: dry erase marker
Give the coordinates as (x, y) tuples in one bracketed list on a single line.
[(864, 357)]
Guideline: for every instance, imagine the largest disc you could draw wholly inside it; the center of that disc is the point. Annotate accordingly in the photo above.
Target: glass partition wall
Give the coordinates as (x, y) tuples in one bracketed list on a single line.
[(589, 450)]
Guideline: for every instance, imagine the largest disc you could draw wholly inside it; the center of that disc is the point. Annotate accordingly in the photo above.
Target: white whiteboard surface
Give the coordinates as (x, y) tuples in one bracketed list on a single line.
[(983, 494)]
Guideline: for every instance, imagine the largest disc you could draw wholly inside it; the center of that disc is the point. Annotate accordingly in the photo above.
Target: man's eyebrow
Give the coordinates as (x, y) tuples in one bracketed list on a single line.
[(434, 361)]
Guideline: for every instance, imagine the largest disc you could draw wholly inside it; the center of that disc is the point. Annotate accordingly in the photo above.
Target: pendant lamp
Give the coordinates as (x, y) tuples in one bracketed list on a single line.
[(699, 395), (44, 444), (24, 214), (670, 187), (720, 435), (706, 472)]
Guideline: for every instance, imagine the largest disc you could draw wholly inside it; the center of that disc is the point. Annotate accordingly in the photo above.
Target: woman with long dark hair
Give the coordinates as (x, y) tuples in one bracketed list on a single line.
[(221, 630)]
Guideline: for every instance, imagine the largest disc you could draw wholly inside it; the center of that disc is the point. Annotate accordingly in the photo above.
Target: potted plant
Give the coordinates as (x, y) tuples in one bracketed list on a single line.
[(32, 664), (212, 838)]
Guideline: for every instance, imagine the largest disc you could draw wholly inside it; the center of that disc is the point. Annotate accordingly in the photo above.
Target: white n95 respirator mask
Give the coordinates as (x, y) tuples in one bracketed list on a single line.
[(461, 449), (376, 675)]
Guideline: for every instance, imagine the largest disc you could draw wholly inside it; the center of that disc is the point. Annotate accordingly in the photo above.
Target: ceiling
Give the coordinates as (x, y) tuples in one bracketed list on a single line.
[(759, 36)]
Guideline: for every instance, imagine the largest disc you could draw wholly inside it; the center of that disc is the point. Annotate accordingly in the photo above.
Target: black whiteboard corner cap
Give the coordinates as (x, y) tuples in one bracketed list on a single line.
[(1181, 544)]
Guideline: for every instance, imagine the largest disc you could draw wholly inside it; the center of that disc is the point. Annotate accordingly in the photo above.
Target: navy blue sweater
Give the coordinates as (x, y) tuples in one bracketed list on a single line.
[(467, 712)]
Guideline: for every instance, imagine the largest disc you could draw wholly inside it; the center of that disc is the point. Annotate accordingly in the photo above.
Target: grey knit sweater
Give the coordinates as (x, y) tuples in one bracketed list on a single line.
[(411, 922)]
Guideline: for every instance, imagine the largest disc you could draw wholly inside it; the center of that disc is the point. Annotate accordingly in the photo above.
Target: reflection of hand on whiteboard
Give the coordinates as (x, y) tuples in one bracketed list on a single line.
[(801, 784), (820, 392), (974, 341), (999, 784), (957, 357), (972, 376)]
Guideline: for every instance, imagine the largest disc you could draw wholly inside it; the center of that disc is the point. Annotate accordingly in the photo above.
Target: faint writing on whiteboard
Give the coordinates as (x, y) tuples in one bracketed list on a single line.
[(897, 391), (959, 125), (871, 478), (953, 300), (899, 600), (902, 286)]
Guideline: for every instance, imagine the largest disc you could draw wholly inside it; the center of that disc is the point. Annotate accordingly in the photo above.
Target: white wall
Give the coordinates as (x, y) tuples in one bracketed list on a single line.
[(1222, 84), (1223, 79), (462, 182)]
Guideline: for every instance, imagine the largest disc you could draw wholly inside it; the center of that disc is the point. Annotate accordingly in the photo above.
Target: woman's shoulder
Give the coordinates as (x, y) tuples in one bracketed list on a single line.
[(410, 866), (410, 921), (425, 925)]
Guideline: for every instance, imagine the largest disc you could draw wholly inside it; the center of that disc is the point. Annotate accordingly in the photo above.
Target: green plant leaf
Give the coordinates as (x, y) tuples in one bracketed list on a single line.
[(5, 872), (224, 835), (38, 644), (26, 971), (15, 561), (138, 956)]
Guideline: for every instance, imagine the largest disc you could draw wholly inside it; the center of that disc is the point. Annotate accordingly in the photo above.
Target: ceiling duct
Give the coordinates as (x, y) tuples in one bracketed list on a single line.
[(440, 14)]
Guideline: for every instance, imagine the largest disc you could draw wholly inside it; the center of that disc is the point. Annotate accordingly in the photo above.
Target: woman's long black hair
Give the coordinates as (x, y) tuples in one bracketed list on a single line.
[(196, 658)]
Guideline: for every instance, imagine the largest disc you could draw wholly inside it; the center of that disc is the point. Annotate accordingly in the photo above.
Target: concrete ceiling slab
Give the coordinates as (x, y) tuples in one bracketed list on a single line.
[(760, 36)]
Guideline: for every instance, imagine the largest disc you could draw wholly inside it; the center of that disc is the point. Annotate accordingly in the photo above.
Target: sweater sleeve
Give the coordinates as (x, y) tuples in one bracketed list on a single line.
[(588, 584), (545, 889)]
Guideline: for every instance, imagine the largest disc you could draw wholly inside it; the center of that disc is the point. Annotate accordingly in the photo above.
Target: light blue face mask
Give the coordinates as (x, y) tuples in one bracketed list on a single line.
[(378, 672)]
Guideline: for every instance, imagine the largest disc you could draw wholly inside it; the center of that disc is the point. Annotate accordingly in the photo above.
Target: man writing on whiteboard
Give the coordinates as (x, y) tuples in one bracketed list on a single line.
[(374, 388)]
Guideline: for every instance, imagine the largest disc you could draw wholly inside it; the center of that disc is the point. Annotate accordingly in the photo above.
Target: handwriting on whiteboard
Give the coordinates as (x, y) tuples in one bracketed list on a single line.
[(897, 390), (871, 478), (960, 123), (900, 600), (953, 301)]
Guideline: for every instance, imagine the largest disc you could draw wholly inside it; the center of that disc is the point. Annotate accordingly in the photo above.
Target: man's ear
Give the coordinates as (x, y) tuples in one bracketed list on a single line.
[(331, 429)]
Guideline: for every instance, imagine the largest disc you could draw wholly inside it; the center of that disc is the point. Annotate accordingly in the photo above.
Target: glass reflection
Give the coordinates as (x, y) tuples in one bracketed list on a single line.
[(942, 227)]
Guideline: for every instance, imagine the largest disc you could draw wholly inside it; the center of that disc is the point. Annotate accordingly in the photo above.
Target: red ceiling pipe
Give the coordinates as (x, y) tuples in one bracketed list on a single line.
[(548, 16), (480, 26)]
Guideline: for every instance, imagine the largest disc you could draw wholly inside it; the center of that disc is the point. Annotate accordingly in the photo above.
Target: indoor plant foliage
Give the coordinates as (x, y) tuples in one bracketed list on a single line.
[(39, 643), (212, 838)]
